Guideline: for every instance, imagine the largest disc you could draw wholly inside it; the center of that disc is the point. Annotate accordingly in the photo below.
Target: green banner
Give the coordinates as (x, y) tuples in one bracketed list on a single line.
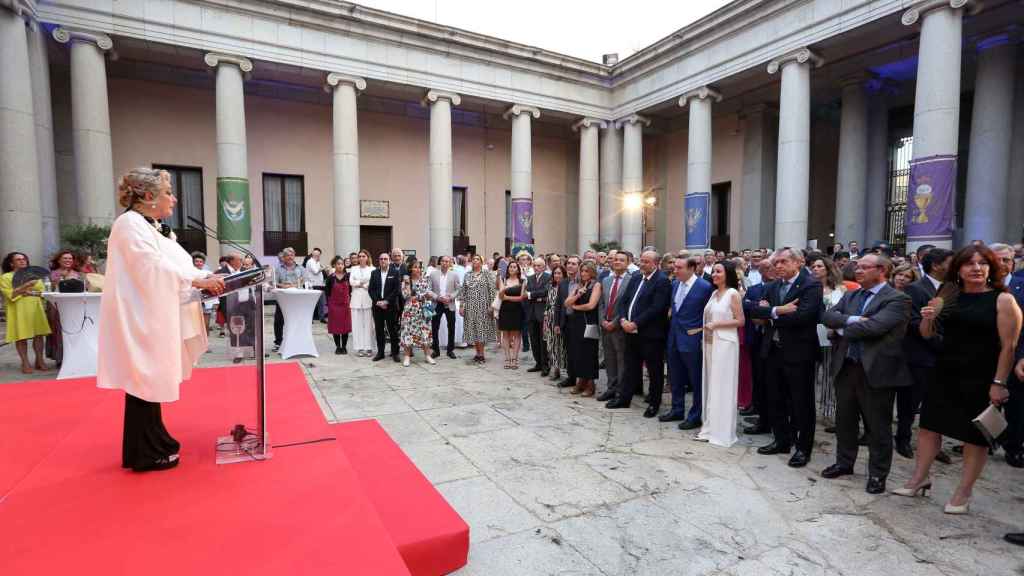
[(233, 210)]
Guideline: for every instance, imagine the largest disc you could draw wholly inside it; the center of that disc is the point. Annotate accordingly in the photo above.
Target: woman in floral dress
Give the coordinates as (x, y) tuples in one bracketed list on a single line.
[(415, 324), (475, 296), (553, 336)]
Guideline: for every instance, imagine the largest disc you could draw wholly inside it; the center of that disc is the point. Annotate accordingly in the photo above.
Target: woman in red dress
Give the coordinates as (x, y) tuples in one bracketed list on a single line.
[(339, 315)]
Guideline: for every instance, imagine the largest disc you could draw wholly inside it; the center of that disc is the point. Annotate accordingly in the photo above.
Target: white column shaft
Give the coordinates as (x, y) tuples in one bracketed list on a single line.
[(589, 197), (522, 171), (346, 170), (632, 187), (988, 170), (20, 218), (440, 177), (43, 111), (698, 162), (611, 183), (232, 156), (793, 184), (877, 173), (851, 184), (90, 121), (757, 218)]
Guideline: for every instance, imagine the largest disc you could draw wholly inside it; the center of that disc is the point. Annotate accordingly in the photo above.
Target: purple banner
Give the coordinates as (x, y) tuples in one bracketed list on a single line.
[(930, 198), (522, 221)]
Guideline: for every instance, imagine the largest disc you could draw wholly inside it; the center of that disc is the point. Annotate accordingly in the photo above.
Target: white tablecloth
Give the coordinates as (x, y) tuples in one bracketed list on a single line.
[(297, 308), (79, 322)]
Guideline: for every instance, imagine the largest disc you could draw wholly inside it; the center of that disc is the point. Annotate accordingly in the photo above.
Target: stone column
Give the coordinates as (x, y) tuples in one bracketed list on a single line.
[(793, 183), (878, 171), (589, 198), (20, 218), (43, 110), (611, 183), (441, 170), (234, 205), (697, 204), (345, 137), (936, 112), (522, 175), (851, 181), (1015, 201), (633, 182), (90, 125), (760, 141), (988, 166)]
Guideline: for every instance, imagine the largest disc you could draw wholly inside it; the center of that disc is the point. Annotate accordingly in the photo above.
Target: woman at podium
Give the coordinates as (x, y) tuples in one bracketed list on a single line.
[(151, 329)]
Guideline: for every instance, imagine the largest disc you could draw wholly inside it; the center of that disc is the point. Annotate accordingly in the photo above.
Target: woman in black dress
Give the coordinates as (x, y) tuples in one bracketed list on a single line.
[(979, 323), (510, 315), (583, 302)]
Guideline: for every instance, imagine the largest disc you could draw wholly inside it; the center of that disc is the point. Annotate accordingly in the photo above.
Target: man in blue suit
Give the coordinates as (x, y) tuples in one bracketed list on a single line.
[(690, 294), (1013, 439), (643, 315), (753, 334)]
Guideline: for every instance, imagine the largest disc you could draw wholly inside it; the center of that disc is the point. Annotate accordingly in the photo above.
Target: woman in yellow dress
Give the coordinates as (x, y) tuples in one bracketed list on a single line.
[(26, 318)]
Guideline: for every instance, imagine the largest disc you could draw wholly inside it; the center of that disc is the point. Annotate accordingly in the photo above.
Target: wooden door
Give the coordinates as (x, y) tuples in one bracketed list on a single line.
[(376, 240)]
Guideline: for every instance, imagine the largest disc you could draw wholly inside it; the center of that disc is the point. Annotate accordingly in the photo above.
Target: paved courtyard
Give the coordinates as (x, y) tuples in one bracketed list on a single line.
[(551, 483)]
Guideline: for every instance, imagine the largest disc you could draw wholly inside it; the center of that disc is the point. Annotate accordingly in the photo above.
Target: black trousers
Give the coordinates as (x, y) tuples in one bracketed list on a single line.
[(386, 319), (540, 347), (759, 388), (435, 324), (278, 324), (145, 440), (641, 352), (791, 395), (909, 398), (853, 398), (1012, 439)]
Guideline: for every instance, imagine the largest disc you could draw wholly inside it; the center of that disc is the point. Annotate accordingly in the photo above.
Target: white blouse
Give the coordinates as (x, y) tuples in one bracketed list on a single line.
[(359, 279)]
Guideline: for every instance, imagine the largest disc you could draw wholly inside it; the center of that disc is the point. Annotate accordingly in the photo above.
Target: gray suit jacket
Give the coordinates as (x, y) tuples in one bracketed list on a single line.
[(880, 334), (606, 292), (453, 284)]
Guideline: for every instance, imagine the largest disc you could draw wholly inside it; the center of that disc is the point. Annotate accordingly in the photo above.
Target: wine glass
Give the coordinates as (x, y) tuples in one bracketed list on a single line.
[(236, 324)]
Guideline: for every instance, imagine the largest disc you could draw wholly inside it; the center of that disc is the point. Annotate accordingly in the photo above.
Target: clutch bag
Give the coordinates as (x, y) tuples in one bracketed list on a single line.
[(991, 423), (591, 332)]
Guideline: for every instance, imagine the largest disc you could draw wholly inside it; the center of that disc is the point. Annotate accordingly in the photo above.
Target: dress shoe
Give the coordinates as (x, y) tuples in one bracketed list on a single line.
[(690, 424), (567, 383), (799, 459), (452, 355), (903, 448), (337, 350), (913, 491), (752, 430), (862, 440), (378, 357), (957, 510), (748, 411), (876, 485), (397, 359), (616, 403), (1015, 538), (773, 448), (651, 411), (835, 471), (671, 417), (435, 354), (606, 396), (943, 457), (1015, 459), (535, 368)]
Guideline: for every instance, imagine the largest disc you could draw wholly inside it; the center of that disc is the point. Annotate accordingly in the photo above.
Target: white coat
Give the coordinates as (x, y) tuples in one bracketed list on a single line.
[(151, 330)]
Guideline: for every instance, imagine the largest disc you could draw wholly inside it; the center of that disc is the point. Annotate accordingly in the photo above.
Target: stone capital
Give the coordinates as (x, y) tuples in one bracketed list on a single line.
[(24, 8), (434, 95), (70, 35), (587, 122), (800, 56), (517, 109), (920, 7), (335, 79), (214, 59), (700, 93), (633, 119)]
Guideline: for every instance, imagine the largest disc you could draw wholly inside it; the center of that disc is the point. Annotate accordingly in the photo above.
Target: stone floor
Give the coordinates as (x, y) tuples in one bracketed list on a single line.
[(554, 484)]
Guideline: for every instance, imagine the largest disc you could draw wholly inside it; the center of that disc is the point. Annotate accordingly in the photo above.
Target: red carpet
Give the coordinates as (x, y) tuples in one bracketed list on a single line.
[(66, 506)]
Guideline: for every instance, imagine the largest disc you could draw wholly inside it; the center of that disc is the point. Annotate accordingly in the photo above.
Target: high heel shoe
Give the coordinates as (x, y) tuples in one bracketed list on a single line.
[(913, 492), (406, 361), (957, 510), (430, 360)]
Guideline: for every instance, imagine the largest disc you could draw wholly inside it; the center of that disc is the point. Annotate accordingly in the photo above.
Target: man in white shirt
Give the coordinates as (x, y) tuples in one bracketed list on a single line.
[(709, 264), (444, 284), (753, 271)]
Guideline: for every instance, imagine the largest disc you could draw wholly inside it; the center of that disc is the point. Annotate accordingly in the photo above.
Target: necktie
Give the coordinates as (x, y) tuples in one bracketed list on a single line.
[(855, 350), (784, 290), (611, 300)]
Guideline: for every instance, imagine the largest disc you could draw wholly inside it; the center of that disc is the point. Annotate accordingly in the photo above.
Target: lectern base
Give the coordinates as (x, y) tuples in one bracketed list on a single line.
[(248, 450)]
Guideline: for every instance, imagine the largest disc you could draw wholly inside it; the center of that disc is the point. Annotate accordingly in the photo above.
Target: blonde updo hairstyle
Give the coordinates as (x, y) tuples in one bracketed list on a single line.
[(140, 185)]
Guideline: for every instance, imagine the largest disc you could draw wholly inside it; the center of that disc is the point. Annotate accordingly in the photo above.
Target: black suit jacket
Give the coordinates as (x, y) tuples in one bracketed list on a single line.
[(389, 291), (920, 351), (560, 316), (537, 285), (753, 334), (797, 332), (650, 312)]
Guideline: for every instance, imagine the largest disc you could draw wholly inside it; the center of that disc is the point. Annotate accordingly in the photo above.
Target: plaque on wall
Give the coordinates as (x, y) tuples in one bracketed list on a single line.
[(374, 209)]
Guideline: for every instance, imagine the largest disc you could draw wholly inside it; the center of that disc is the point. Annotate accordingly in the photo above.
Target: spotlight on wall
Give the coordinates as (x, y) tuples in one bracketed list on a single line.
[(633, 201), (650, 201)]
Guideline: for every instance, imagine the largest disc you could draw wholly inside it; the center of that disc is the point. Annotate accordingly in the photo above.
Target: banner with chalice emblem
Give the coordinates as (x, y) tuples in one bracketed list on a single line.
[(233, 210), (696, 209), (522, 225), (930, 198)]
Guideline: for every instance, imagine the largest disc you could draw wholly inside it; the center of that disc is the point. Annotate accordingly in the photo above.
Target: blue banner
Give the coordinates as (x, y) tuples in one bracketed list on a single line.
[(696, 211)]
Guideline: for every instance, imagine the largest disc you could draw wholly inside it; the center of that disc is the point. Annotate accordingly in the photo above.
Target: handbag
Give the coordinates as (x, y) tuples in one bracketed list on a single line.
[(591, 332), (496, 304), (991, 423)]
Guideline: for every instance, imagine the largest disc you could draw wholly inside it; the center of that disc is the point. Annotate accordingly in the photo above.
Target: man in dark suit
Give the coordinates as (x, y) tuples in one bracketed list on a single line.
[(384, 291), (1013, 439), (536, 299), (690, 294), (793, 308), (753, 334), (920, 352), (643, 312), (612, 337), (868, 366), (562, 313)]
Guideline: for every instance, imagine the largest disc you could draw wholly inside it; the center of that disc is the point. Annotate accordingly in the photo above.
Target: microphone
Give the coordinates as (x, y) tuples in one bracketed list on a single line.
[(195, 224)]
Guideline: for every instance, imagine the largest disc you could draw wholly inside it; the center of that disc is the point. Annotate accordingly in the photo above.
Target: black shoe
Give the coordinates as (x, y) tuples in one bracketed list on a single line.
[(452, 355), (1015, 538), (651, 411), (544, 373), (567, 383), (773, 448), (344, 351), (606, 396), (617, 403), (862, 440), (1015, 458), (535, 368), (396, 358), (799, 459), (876, 485), (904, 449), (337, 350), (752, 430), (748, 411), (943, 457), (165, 463), (690, 424), (435, 354), (835, 471), (378, 357), (671, 417), (236, 361)]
